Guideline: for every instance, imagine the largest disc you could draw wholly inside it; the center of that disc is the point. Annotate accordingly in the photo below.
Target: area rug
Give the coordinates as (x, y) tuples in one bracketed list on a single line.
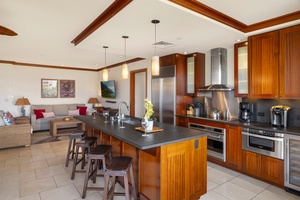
[(39, 137)]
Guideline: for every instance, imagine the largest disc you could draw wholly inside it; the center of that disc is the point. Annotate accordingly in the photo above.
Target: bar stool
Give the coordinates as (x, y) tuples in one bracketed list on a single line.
[(95, 158), (85, 144), (77, 135), (119, 167)]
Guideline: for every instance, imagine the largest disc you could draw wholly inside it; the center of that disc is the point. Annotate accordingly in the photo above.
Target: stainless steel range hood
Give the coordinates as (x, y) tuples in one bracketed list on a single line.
[(218, 71)]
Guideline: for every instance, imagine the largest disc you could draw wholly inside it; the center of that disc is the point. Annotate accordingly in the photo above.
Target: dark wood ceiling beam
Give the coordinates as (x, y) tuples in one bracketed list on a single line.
[(211, 13), (111, 11), (274, 21), (121, 63), (202, 9)]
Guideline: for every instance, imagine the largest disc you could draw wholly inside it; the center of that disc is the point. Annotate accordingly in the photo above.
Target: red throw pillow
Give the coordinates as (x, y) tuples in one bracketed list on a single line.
[(39, 113), (82, 110)]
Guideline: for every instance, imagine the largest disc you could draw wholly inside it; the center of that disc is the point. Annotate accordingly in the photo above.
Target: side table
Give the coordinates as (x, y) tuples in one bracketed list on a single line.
[(22, 120)]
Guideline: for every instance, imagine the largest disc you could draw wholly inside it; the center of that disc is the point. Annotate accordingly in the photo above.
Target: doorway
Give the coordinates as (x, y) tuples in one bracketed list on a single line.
[(138, 92)]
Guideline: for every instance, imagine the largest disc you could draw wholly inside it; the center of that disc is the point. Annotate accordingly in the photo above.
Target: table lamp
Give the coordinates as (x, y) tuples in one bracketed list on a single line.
[(22, 102), (93, 101)]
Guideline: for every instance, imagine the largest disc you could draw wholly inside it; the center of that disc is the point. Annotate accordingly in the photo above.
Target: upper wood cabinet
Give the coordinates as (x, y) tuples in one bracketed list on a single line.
[(263, 65), (195, 73), (289, 63), (241, 69), (274, 59)]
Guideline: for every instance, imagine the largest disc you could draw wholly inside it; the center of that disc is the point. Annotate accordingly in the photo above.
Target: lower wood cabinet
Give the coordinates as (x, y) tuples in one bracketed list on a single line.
[(182, 121), (234, 147), (264, 167)]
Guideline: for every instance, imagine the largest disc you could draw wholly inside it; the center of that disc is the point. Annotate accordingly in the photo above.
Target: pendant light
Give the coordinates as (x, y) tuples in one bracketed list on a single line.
[(155, 58), (125, 66), (105, 71)]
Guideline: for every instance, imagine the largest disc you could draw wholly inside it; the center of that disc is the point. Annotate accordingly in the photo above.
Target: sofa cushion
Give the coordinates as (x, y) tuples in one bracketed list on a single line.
[(48, 114), (39, 113), (2, 122), (61, 110), (82, 110), (8, 119), (74, 112)]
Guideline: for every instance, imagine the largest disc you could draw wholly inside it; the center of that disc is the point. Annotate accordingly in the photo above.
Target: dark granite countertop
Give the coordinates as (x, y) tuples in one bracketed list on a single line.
[(236, 122), (169, 135)]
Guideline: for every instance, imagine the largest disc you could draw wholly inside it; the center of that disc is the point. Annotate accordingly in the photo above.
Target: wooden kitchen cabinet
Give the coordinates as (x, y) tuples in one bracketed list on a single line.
[(182, 121), (289, 63), (241, 69), (195, 73), (263, 65), (274, 64), (234, 147), (264, 167)]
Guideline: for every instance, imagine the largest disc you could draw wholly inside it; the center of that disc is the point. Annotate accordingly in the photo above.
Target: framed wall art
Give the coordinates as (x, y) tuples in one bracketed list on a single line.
[(67, 88), (49, 88)]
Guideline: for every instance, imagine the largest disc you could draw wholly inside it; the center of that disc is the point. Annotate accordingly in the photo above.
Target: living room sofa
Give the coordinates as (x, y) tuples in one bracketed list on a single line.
[(18, 134), (59, 110)]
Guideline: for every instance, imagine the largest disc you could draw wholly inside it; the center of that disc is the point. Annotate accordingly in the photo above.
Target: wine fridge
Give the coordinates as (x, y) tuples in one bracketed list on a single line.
[(292, 164)]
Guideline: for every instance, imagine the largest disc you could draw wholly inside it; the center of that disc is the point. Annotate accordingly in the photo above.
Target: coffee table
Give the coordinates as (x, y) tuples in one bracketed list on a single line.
[(59, 123)]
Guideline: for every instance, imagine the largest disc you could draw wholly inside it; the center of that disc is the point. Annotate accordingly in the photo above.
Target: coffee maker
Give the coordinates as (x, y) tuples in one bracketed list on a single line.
[(279, 115), (246, 112)]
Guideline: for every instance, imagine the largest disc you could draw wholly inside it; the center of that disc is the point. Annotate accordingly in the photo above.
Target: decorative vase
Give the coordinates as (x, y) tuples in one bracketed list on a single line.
[(150, 126)]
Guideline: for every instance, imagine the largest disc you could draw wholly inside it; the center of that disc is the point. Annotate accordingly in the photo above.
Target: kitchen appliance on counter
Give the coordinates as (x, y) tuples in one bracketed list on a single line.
[(163, 94), (246, 112), (189, 109), (216, 140), (269, 143), (292, 164), (279, 115)]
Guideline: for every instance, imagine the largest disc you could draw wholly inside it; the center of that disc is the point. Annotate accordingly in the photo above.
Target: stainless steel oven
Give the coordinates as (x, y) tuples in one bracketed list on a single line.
[(216, 140), (263, 142)]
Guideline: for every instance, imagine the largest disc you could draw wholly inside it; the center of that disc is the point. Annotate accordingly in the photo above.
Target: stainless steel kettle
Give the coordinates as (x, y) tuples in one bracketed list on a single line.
[(215, 113)]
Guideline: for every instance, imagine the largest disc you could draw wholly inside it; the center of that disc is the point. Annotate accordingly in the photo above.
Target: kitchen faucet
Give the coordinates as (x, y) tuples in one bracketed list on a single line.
[(119, 114)]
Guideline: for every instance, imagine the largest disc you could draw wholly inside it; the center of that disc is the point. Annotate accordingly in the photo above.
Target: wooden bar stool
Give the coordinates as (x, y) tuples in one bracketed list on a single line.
[(119, 167), (85, 145), (95, 158), (77, 135)]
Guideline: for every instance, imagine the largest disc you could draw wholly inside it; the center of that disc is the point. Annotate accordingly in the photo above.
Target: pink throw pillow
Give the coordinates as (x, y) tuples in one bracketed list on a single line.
[(48, 114), (39, 113), (82, 110), (74, 112)]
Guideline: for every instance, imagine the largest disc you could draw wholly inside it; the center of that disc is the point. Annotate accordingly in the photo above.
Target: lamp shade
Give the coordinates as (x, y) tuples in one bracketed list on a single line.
[(93, 100), (22, 102), (125, 71), (155, 66), (105, 75)]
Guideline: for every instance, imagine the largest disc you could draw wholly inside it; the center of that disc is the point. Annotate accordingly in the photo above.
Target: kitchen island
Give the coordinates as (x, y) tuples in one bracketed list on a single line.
[(170, 164)]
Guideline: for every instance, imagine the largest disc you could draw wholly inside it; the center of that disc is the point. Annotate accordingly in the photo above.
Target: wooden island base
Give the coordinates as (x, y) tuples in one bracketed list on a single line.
[(172, 171)]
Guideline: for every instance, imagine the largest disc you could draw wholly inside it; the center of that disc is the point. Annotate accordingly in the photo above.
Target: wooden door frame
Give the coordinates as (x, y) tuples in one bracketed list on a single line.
[(132, 88)]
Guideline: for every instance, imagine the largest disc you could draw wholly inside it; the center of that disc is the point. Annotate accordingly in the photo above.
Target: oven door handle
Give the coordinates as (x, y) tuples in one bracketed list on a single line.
[(263, 137), (213, 136)]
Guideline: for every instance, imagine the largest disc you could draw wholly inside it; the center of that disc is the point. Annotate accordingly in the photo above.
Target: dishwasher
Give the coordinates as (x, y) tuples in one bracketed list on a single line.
[(292, 164)]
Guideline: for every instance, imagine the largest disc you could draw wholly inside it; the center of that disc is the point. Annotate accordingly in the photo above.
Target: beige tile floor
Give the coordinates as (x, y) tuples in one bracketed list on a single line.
[(38, 173)]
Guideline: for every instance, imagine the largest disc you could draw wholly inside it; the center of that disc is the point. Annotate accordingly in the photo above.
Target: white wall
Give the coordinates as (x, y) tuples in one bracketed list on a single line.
[(18, 81), (123, 85), (23, 81)]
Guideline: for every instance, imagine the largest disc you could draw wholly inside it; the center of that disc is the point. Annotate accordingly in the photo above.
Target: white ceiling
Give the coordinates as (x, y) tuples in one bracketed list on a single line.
[(46, 28)]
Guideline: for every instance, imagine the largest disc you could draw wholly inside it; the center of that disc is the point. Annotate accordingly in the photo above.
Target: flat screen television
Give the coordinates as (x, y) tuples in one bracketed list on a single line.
[(108, 89)]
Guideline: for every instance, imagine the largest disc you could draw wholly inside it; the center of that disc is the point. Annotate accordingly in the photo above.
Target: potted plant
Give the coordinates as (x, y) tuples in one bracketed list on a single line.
[(149, 113)]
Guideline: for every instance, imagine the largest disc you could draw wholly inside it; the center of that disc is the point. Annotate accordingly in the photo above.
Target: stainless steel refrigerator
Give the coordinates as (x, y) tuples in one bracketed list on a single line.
[(163, 94)]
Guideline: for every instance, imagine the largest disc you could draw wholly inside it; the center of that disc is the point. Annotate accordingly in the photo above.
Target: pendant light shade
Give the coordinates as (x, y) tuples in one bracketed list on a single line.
[(105, 71), (155, 58), (155, 65), (105, 75), (124, 71), (125, 66)]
